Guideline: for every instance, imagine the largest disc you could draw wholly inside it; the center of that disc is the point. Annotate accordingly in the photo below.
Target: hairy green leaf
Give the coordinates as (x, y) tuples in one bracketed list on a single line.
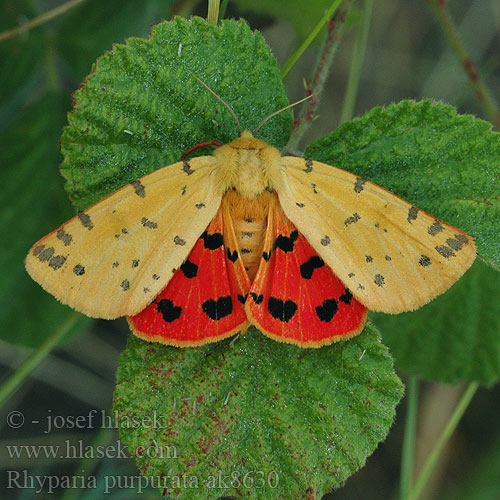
[(456, 338), (444, 163), (142, 108), (34, 203), (252, 417)]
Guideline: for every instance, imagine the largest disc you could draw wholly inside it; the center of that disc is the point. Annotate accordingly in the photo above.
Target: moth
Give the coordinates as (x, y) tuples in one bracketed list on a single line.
[(199, 250)]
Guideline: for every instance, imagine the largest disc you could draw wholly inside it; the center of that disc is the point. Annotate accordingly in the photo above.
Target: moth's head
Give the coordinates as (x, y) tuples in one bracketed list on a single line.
[(247, 141)]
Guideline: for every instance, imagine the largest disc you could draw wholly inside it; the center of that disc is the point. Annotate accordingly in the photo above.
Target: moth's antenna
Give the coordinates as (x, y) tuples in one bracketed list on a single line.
[(221, 100), (279, 111)]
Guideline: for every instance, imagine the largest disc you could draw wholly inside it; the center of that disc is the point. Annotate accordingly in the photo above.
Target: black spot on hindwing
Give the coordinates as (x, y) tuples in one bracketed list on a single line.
[(217, 309), (282, 310), (168, 310), (212, 241), (189, 269), (327, 310), (232, 256), (308, 267), (346, 297), (286, 243), (257, 298)]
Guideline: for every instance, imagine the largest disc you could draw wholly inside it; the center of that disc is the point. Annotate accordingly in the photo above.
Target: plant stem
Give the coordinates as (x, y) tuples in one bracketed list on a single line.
[(222, 11), (298, 53), (445, 436), (213, 11), (315, 88), (408, 455), (483, 94), (357, 63), (18, 377), (43, 18)]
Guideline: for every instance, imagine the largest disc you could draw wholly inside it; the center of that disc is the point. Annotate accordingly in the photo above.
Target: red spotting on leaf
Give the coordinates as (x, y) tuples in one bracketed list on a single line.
[(203, 302), (295, 297)]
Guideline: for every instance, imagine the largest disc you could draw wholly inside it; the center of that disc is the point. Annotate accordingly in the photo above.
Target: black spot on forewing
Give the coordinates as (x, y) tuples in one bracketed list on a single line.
[(412, 214), (308, 267), (217, 309), (187, 167), (388, 257), (149, 224), (354, 218), (300, 205), (327, 310), (436, 228), (212, 241), (200, 205), (369, 258), (183, 192), (325, 241), (125, 285), (115, 264), (44, 254), (445, 251), (309, 167), (346, 297), (257, 298), (168, 310), (286, 243), (359, 185), (57, 262), (424, 261), (379, 280), (65, 237), (457, 242), (232, 256), (189, 269), (85, 220), (156, 277), (314, 188), (138, 188), (282, 310), (79, 270), (179, 241), (135, 262)]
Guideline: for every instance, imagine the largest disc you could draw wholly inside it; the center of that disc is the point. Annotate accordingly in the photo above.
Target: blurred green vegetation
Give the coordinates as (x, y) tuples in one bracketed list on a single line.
[(407, 56)]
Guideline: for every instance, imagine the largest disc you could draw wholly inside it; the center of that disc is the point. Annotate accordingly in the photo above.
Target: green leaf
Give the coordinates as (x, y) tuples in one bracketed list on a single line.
[(455, 338), (294, 422), (142, 109), (33, 203), (444, 163), (92, 27)]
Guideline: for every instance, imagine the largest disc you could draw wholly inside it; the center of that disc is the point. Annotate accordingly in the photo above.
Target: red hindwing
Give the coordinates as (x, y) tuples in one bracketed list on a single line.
[(295, 297), (203, 302)]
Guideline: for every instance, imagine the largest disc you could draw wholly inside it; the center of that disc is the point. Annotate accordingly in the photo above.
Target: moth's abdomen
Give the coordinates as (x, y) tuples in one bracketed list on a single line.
[(249, 221)]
